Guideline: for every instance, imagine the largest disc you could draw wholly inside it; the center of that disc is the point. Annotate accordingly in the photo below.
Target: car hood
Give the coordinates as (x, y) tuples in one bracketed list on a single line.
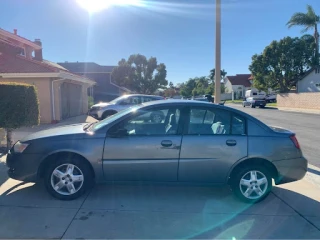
[(101, 104), (56, 131)]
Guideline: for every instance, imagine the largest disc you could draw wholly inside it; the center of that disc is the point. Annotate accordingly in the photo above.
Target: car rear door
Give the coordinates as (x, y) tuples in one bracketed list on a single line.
[(149, 152), (212, 142)]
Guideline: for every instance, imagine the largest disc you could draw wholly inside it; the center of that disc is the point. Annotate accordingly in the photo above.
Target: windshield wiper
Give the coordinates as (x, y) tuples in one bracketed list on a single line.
[(87, 126)]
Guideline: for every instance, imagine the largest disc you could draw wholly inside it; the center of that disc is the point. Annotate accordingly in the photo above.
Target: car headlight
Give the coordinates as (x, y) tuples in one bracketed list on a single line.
[(20, 147)]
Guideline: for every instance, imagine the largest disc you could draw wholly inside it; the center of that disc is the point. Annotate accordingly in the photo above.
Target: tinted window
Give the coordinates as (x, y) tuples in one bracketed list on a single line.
[(238, 125), (160, 121), (209, 122)]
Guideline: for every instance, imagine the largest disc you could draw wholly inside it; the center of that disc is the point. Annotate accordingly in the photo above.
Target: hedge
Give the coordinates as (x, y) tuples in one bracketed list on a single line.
[(19, 105)]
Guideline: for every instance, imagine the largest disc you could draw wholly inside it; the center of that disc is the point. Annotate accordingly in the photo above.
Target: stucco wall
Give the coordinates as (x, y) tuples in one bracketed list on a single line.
[(299, 100), (44, 95), (310, 83)]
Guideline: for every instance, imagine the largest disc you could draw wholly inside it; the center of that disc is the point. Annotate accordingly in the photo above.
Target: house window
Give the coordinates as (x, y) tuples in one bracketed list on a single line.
[(23, 52)]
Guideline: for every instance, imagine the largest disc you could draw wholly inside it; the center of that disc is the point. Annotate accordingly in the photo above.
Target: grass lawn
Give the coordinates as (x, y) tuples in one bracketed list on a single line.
[(271, 104), (239, 101)]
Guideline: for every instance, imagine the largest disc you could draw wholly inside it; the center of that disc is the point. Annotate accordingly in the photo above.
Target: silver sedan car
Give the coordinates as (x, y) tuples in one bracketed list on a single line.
[(195, 142), (104, 110)]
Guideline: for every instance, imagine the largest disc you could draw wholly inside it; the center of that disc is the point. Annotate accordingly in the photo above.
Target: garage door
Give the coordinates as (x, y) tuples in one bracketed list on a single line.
[(71, 96)]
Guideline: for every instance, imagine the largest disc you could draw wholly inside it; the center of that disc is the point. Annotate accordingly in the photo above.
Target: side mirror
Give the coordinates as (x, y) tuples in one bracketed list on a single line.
[(121, 132)]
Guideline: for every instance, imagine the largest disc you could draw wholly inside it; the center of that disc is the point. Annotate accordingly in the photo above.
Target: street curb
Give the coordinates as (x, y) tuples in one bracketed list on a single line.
[(313, 175)]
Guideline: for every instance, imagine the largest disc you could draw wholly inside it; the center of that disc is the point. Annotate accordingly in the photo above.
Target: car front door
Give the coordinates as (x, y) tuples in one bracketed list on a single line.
[(137, 149), (213, 141)]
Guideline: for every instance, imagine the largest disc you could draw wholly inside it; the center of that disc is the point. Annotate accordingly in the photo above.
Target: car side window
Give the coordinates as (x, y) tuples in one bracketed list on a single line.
[(208, 121), (133, 100), (238, 125), (153, 122), (147, 99)]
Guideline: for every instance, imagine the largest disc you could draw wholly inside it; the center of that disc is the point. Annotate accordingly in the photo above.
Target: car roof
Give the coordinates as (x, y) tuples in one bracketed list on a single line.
[(142, 95)]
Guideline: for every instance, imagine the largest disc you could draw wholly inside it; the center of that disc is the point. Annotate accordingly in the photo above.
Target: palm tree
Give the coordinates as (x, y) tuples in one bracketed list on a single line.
[(309, 21)]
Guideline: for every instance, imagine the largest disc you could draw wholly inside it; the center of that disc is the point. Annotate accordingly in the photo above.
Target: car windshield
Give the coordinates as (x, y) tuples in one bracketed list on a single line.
[(110, 119)]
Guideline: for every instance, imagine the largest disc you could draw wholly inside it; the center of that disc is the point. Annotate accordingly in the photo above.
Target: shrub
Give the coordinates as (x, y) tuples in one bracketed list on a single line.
[(19, 106), (90, 102)]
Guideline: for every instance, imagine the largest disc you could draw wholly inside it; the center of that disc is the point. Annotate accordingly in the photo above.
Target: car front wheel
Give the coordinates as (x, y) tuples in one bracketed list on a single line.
[(251, 184), (68, 178)]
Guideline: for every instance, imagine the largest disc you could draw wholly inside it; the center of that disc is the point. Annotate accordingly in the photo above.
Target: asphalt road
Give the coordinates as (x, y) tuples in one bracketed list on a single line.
[(305, 125)]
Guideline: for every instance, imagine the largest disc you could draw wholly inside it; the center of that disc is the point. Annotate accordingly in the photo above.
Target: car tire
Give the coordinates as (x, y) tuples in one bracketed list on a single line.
[(243, 105), (251, 184), (108, 114), (156, 117), (66, 171)]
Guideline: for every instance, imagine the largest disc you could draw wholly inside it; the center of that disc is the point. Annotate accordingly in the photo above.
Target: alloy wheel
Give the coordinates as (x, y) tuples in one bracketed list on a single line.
[(67, 179), (253, 185), (156, 118)]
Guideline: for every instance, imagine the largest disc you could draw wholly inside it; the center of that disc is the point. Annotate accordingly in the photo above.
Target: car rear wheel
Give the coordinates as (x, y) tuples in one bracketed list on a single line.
[(68, 178), (251, 184)]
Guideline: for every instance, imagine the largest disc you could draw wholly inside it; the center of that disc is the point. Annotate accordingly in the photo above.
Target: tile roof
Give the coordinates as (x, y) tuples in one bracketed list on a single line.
[(20, 64), (240, 79), (18, 37), (86, 67)]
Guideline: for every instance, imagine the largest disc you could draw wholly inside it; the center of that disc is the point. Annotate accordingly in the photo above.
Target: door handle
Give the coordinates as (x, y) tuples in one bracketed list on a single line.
[(166, 143), (231, 142)]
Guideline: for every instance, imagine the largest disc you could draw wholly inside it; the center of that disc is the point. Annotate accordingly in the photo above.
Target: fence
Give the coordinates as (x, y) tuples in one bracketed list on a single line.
[(299, 100), (226, 96)]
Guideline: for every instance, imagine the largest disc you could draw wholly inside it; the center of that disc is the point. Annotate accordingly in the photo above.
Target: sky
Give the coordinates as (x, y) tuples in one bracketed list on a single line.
[(179, 33)]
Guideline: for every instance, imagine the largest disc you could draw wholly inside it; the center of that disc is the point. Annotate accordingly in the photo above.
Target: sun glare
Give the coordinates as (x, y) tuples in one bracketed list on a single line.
[(98, 5)]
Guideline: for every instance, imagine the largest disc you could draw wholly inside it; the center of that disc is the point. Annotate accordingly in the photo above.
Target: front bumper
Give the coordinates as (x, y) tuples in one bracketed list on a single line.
[(23, 167), (291, 170)]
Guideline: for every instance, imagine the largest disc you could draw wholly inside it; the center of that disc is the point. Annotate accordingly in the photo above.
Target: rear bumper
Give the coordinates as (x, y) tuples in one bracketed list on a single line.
[(23, 167), (291, 170)]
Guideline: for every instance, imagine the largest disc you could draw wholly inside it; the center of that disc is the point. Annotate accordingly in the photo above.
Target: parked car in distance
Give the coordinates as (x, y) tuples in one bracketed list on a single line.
[(271, 98), (254, 102), (195, 142), (104, 110)]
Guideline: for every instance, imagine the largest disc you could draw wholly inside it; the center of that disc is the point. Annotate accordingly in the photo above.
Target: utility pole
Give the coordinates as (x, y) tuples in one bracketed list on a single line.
[(217, 78)]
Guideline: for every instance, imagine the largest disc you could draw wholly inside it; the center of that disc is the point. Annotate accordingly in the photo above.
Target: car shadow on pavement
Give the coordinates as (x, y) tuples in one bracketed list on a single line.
[(314, 171), (157, 211)]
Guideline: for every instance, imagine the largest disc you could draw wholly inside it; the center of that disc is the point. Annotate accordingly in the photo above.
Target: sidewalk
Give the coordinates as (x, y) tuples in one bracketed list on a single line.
[(302, 110)]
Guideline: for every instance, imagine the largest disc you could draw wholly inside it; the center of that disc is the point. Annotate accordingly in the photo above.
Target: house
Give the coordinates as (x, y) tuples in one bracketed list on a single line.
[(310, 81), (238, 84), (61, 94), (104, 90)]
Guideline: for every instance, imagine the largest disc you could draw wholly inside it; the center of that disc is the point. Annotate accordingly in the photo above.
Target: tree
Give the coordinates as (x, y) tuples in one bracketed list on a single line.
[(281, 63), (171, 85), (308, 21), (213, 73), (140, 74), (19, 107), (187, 87)]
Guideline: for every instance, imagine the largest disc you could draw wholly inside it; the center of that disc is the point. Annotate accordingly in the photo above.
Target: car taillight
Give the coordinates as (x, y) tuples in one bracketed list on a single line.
[(295, 141)]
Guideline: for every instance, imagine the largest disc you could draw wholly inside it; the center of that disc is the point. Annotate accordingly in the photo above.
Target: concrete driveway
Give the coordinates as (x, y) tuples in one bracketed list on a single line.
[(123, 211)]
